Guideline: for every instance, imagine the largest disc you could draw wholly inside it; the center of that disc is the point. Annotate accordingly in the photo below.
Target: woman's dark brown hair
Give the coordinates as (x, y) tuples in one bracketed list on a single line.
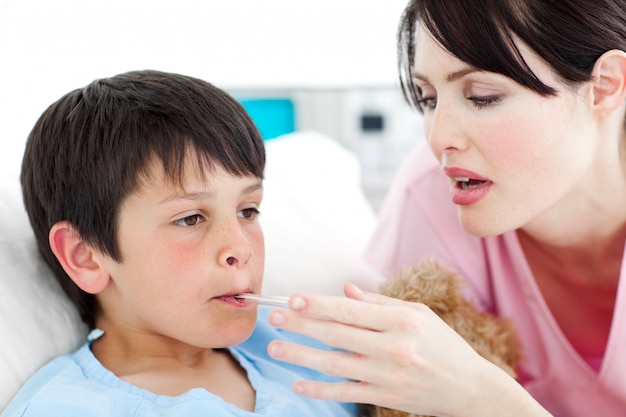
[(88, 151), (570, 35)]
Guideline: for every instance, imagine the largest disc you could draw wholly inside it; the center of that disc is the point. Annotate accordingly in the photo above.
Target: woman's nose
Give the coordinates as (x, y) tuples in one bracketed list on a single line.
[(235, 248), (443, 129)]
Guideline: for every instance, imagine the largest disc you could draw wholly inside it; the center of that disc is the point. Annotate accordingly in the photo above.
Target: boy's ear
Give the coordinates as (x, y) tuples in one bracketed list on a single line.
[(79, 259), (609, 89)]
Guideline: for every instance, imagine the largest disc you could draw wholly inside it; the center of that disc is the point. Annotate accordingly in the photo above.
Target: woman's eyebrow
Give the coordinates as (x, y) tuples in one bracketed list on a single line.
[(453, 76)]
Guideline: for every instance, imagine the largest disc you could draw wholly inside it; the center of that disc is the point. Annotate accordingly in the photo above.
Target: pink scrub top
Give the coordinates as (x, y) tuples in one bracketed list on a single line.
[(418, 220)]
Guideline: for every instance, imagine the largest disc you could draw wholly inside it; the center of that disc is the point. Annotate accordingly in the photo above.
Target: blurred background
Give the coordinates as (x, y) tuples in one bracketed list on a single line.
[(297, 65)]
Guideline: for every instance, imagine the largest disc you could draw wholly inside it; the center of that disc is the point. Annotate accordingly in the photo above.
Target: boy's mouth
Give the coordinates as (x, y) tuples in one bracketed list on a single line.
[(246, 298), (233, 299)]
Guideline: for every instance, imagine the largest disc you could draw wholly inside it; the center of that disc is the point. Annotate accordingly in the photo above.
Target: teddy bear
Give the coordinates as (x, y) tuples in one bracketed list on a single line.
[(440, 288)]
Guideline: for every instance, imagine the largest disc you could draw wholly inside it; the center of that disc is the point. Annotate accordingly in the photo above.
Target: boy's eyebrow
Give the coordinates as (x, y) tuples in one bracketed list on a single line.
[(453, 76), (252, 188), (204, 195)]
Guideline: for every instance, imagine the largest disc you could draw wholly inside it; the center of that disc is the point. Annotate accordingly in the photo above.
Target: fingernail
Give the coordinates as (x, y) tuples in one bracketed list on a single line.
[(298, 388), (358, 289), (275, 350), (297, 303), (277, 318)]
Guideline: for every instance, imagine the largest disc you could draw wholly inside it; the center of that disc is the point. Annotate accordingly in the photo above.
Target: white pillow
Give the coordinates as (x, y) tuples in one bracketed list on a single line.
[(316, 222), (315, 216), (37, 320)]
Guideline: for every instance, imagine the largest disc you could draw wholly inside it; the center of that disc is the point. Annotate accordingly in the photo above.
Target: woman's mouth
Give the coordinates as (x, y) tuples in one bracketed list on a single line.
[(468, 191), (466, 183), (468, 187)]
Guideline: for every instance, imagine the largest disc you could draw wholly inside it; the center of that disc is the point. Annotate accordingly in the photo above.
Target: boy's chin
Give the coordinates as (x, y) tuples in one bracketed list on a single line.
[(239, 333)]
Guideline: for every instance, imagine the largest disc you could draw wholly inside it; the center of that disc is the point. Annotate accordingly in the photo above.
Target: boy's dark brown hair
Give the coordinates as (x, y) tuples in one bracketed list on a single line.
[(570, 35), (88, 151)]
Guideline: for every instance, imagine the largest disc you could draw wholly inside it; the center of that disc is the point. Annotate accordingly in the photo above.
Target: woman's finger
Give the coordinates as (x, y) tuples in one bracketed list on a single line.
[(330, 362), (352, 391), (367, 310), (331, 333), (363, 372), (361, 335), (353, 291)]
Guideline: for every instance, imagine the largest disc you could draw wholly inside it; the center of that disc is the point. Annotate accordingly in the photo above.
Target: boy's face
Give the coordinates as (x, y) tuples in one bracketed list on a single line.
[(184, 253)]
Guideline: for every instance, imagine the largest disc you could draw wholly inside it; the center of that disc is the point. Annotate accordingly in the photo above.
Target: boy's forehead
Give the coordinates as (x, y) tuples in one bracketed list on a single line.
[(193, 174), (176, 177)]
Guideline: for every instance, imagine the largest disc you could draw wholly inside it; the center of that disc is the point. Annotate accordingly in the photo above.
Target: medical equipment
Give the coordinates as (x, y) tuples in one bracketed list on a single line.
[(269, 300), (373, 122)]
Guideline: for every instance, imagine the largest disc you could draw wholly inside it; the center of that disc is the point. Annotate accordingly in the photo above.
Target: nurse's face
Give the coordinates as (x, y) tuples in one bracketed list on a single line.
[(513, 156)]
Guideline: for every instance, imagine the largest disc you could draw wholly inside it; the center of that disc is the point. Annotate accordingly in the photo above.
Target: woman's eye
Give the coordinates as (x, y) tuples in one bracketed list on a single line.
[(481, 102), (248, 213), (427, 103), (189, 221)]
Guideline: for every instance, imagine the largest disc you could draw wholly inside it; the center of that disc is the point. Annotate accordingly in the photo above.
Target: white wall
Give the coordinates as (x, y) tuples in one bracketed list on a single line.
[(50, 47)]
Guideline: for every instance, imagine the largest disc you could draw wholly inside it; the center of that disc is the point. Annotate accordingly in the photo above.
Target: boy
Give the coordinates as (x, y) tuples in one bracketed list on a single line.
[(143, 191)]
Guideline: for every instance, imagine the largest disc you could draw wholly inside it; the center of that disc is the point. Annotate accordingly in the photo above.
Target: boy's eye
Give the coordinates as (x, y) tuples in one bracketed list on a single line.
[(248, 213), (188, 221)]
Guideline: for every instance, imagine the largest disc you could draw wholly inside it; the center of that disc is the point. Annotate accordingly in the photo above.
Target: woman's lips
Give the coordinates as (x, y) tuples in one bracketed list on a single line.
[(468, 187)]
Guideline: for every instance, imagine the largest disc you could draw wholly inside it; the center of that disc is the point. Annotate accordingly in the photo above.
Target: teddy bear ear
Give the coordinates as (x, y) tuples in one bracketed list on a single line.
[(429, 283)]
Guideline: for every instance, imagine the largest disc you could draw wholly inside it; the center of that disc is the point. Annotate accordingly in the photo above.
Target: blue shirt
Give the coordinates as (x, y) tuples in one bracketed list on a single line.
[(78, 385)]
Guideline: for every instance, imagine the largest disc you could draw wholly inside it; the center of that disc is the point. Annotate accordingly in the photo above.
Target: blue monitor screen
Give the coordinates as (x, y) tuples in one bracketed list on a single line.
[(273, 116)]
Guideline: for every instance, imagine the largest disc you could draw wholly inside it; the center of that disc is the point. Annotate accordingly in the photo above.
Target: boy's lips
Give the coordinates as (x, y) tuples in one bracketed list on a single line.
[(231, 298), (245, 298)]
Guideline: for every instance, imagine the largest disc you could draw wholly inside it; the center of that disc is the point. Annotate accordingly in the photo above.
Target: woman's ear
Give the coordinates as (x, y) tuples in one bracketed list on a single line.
[(79, 259), (609, 88)]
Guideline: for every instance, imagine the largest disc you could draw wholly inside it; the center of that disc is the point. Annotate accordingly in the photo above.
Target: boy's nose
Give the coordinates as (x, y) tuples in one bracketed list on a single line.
[(235, 249)]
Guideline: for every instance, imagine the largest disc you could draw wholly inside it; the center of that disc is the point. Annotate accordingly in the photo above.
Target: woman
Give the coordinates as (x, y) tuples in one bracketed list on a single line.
[(524, 107)]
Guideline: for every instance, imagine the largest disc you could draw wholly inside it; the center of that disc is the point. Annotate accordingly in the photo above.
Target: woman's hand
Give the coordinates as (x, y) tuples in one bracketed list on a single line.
[(398, 354)]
